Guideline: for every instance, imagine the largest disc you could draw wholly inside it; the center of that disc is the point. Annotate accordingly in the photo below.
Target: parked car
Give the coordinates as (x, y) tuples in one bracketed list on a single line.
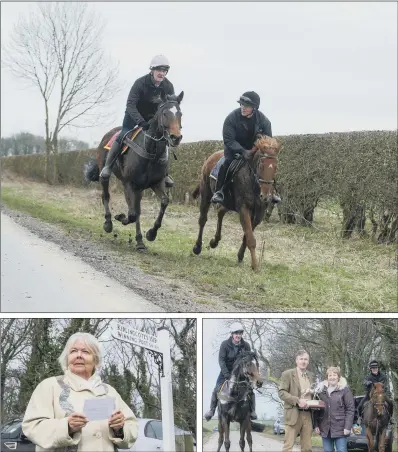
[(279, 427), (150, 438), (357, 439), (12, 437)]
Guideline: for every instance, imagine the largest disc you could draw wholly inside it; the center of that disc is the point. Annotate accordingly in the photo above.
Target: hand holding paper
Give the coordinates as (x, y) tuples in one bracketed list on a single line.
[(99, 409)]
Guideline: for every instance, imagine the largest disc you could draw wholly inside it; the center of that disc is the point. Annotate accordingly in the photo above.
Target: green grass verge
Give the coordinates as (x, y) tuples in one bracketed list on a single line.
[(302, 269)]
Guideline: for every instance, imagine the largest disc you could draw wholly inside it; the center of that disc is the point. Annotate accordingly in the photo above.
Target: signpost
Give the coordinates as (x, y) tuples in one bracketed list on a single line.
[(159, 347)]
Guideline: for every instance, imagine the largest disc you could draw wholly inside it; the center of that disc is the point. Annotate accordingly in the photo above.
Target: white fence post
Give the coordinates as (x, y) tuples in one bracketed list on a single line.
[(166, 388)]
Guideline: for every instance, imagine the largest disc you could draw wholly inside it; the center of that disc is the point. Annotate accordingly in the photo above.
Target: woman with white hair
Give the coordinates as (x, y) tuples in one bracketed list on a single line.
[(334, 423), (55, 419)]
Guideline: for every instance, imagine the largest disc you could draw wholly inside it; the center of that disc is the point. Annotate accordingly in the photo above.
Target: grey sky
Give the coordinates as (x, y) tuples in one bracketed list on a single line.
[(214, 332), (318, 67)]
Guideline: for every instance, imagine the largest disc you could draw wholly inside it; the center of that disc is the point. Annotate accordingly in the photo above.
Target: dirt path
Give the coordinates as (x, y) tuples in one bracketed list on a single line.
[(158, 291)]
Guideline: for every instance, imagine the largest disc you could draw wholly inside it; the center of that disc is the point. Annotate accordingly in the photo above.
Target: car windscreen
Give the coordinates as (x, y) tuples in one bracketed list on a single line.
[(10, 427)]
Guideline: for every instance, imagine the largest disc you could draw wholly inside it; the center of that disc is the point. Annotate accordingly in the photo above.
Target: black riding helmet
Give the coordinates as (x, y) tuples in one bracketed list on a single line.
[(250, 98), (373, 364)]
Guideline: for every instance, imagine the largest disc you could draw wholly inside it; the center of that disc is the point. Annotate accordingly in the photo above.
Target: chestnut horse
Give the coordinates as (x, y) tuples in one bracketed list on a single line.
[(143, 166), (233, 400), (376, 417), (252, 189)]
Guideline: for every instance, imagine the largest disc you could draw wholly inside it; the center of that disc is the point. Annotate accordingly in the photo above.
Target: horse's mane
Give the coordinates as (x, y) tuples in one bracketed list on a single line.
[(241, 360), (267, 145)]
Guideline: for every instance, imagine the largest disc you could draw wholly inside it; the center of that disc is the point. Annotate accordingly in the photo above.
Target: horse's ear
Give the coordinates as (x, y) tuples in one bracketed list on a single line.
[(180, 97)]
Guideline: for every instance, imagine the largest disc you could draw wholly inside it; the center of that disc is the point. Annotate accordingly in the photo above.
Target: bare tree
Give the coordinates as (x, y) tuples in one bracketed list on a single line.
[(57, 49)]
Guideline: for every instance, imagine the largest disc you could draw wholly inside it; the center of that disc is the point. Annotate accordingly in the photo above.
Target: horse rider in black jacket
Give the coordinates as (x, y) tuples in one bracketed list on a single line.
[(229, 351), (240, 131), (375, 376), (142, 103)]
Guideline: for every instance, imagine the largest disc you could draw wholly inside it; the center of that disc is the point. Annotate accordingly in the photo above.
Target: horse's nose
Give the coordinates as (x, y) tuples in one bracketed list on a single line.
[(176, 139)]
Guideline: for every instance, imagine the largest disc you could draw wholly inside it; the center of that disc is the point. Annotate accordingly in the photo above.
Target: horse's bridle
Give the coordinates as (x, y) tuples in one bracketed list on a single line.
[(165, 132), (258, 179)]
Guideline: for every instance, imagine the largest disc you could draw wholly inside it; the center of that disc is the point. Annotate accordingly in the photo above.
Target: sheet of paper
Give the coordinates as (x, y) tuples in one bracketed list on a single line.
[(99, 409)]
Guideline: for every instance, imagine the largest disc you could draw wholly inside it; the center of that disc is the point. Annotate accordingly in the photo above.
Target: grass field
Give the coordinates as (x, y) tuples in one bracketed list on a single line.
[(302, 269)]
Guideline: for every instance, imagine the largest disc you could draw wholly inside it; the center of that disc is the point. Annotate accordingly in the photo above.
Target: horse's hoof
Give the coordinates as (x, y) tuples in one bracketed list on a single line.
[(108, 226), (213, 243), (120, 217), (240, 260), (141, 247), (256, 269), (132, 219), (197, 249), (151, 235)]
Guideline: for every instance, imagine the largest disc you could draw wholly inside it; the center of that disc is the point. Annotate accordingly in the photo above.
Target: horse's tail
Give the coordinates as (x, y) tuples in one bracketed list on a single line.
[(196, 192), (91, 171)]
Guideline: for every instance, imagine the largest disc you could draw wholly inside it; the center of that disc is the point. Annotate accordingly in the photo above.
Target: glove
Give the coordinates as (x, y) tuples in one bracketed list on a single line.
[(346, 432), (259, 384), (246, 154), (367, 383), (144, 124)]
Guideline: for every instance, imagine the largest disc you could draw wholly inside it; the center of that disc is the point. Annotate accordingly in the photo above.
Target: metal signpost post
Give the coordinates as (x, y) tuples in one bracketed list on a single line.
[(159, 347)]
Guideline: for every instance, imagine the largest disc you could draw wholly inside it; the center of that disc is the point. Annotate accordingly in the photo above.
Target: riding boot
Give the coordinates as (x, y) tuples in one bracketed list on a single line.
[(218, 195), (253, 414), (110, 160), (169, 181), (213, 405)]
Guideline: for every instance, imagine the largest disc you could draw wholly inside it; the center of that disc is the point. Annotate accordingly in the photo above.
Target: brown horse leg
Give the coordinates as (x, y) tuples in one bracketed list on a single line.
[(242, 435), (382, 441), (242, 249), (249, 435), (205, 198), (214, 242), (220, 434), (108, 226), (160, 191), (369, 437), (246, 223)]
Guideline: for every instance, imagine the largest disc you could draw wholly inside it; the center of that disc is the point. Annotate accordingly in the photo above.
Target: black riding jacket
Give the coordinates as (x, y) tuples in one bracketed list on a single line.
[(145, 97), (239, 133), (379, 378), (228, 354)]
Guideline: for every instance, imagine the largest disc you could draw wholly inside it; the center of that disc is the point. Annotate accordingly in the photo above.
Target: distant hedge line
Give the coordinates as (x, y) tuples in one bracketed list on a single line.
[(357, 168)]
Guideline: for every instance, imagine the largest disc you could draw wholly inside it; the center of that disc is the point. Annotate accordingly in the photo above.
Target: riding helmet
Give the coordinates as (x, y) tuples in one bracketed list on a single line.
[(159, 62), (236, 326), (250, 98), (373, 363)]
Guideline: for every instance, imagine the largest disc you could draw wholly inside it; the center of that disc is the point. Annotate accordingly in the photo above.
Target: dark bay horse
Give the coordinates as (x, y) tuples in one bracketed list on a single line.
[(233, 403), (252, 189), (376, 417), (143, 166)]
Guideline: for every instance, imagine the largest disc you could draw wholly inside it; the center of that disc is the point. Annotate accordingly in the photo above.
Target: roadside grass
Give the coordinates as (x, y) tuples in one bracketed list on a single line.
[(302, 269)]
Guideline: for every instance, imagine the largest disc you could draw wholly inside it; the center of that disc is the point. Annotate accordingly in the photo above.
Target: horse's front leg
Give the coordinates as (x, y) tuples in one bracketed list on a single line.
[(245, 221), (249, 435), (140, 246), (227, 441), (160, 191), (220, 216), (242, 249), (220, 433), (108, 226), (369, 437), (242, 436)]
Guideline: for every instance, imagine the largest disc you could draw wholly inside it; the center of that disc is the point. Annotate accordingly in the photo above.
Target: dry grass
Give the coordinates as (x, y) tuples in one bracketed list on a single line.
[(302, 269)]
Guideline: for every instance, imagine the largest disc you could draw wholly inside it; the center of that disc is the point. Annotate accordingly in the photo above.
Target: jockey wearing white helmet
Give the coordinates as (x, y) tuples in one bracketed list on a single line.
[(142, 103), (229, 351)]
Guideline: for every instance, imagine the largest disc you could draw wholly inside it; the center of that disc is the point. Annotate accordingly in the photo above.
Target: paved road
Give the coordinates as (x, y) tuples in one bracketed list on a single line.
[(37, 276), (261, 443)]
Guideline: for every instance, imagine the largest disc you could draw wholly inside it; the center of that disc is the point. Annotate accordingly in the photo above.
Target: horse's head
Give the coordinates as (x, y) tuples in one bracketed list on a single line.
[(246, 366), (265, 159), (168, 119), (378, 398)]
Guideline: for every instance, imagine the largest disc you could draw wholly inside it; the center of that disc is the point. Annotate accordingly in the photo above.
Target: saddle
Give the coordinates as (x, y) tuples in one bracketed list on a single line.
[(131, 134)]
